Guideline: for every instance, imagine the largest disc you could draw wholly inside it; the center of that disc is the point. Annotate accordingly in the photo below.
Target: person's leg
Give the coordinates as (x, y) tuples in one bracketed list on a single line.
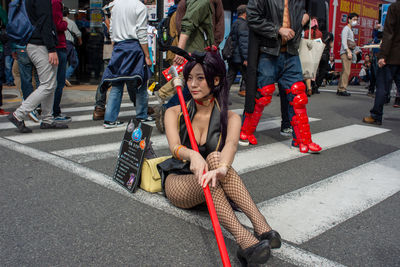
[(114, 102), (16, 75), (321, 74), (243, 71), (309, 89), (344, 75), (291, 78), (8, 70), (266, 77), (231, 75), (62, 63), (25, 69), (142, 102), (374, 68), (183, 191), (383, 80), (73, 60), (44, 94), (286, 129)]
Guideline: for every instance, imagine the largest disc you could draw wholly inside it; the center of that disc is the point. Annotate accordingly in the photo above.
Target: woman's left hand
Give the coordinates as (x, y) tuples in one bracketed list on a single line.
[(213, 175)]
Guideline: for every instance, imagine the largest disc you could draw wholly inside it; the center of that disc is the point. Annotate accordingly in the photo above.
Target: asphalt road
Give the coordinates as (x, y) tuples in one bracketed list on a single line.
[(59, 206)]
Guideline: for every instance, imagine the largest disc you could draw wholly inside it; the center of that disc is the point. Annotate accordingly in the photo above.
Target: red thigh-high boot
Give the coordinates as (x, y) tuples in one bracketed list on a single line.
[(300, 124), (251, 119)]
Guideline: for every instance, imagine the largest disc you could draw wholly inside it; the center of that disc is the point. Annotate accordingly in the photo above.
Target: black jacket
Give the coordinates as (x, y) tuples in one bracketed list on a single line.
[(240, 38), (40, 13), (264, 18), (390, 47)]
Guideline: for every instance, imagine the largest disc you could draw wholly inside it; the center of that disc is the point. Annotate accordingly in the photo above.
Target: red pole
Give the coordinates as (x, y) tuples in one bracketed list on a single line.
[(210, 204)]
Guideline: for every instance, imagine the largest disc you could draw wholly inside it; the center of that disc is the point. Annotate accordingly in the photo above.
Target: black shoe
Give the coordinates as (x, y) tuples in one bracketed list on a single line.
[(273, 237), (344, 93), (19, 124), (53, 125), (256, 254)]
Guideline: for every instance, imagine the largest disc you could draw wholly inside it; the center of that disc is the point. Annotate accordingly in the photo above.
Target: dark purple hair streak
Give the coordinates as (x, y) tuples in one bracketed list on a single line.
[(213, 66)]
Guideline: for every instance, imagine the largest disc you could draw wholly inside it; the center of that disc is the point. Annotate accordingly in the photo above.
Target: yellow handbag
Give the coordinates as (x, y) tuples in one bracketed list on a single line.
[(150, 177)]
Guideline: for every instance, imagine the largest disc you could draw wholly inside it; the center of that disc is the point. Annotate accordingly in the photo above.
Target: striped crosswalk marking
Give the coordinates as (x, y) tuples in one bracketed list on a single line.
[(310, 211), (97, 152), (267, 155)]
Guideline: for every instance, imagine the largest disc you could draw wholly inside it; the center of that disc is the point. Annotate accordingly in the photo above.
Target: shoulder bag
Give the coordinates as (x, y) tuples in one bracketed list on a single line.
[(310, 52)]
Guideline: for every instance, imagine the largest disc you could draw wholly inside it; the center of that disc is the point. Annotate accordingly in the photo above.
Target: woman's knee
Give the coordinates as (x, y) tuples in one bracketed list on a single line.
[(213, 160)]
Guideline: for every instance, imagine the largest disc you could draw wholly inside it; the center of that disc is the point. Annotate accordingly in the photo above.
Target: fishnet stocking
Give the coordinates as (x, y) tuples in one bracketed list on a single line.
[(184, 192), (235, 189)]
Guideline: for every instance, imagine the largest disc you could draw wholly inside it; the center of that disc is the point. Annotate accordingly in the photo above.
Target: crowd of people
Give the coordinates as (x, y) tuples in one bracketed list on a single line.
[(265, 40)]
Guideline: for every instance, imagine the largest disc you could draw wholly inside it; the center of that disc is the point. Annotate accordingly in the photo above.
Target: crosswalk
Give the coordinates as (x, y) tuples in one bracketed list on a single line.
[(299, 215)]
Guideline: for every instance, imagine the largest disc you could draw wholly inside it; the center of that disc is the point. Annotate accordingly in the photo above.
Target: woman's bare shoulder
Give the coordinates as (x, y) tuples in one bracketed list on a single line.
[(173, 110), (232, 115)]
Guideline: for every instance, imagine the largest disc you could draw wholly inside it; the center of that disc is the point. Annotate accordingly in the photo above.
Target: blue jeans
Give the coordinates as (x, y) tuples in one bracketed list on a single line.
[(115, 98), (62, 65), (8, 69), (72, 58), (384, 78), (284, 69), (26, 68)]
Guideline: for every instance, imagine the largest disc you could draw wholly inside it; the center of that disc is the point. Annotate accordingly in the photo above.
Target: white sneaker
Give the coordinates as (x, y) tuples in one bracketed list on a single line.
[(115, 124), (286, 132)]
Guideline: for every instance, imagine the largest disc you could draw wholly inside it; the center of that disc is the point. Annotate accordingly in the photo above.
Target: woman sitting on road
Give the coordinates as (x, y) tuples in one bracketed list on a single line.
[(217, 134)]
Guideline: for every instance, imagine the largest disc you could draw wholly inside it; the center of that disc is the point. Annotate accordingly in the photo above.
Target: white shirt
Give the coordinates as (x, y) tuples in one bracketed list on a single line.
[(128, 21), (73, 28)]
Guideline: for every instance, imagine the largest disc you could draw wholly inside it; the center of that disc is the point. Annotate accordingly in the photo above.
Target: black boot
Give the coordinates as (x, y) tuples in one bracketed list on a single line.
[(254, 255), (273, 237)]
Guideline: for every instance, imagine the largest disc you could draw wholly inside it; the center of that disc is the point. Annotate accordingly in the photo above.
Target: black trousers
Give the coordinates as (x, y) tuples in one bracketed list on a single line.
[(233, 69), (384, 78)]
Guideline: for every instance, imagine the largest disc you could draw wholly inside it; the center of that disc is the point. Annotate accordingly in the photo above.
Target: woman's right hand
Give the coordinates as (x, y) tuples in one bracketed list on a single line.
[(198, 165)]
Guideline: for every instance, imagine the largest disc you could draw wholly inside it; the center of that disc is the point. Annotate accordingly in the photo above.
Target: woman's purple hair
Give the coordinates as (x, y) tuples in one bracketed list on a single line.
[(213, 66)]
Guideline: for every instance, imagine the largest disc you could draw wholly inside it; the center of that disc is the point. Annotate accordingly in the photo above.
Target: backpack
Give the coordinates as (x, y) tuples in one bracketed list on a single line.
[(227, 51), (164, 38), (19, 27)]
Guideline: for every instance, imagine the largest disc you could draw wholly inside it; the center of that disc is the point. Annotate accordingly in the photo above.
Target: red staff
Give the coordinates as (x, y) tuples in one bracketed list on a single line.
[(210, 204)]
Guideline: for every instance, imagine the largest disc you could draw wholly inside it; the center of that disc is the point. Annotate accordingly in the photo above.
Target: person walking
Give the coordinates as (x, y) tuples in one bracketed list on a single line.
[(347, 45), (130, 60), (41, 50), (275, 32), (61, 26), (240, 41), (388, 63), (74, 37)]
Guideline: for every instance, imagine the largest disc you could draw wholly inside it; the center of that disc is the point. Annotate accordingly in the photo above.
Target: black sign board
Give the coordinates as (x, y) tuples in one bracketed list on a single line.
[(131, 154)]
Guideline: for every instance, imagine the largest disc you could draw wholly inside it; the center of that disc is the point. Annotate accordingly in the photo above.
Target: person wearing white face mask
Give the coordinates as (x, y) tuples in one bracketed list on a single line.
[(348, 44)]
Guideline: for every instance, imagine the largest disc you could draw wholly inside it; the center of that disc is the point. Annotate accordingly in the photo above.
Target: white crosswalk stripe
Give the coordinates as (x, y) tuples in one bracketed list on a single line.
[(321, 206), (267, 155)]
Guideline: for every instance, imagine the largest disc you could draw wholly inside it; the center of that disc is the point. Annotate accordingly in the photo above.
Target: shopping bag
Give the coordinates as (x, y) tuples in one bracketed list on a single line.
[(310, 52)]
